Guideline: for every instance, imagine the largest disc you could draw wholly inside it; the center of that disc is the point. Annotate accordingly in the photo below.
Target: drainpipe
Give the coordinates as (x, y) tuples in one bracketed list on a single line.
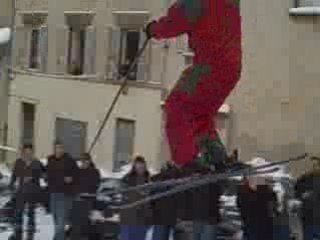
[(6, 79)]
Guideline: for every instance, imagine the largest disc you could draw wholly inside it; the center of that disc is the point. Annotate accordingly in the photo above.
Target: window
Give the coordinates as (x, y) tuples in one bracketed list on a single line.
[(124, 46), (129, 47), (34, 60), (124, 142), (73, 134), (188, 60), (76, 49), (28, 122)]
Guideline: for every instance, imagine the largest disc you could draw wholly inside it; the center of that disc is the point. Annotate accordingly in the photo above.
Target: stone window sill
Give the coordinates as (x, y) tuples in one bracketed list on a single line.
[(187, 54), (88, 78), (305, 11)]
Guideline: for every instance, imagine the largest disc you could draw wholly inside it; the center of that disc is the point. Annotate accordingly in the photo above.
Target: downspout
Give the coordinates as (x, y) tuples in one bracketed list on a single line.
[(7, 78)]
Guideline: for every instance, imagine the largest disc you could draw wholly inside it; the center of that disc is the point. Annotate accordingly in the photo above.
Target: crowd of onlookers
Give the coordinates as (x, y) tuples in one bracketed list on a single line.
[(197, 210), (65, 179)]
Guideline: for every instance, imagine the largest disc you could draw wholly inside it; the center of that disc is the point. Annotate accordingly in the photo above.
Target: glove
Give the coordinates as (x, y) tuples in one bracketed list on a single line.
[(147, 30)]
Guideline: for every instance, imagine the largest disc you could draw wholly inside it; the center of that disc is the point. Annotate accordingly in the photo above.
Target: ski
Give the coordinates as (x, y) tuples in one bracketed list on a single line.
[(211, 178)]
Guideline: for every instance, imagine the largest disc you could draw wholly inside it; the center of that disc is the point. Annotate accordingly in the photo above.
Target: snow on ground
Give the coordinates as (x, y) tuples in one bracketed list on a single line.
[(44, 228), (43, 221)]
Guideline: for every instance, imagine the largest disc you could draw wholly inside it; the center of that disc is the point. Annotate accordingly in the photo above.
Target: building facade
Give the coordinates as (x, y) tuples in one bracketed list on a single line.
[(68, 57)]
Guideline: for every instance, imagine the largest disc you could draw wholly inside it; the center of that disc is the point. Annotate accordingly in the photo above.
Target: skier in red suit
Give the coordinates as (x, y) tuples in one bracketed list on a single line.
[(214, 33)]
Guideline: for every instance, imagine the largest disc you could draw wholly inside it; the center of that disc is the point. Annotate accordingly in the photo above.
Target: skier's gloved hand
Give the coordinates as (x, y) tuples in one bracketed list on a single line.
[(147, 30)]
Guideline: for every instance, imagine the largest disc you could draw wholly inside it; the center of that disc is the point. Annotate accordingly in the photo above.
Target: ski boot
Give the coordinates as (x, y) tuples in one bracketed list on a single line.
[(213, 154)]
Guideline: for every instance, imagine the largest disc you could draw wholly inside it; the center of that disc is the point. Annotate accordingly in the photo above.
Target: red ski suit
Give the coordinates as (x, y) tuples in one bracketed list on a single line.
[(214, 32)]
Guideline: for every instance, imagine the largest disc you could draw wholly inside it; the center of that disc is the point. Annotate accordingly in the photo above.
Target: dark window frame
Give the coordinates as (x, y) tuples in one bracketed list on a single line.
[(23, 137), (127, 54), (78, 69), (34, 53)]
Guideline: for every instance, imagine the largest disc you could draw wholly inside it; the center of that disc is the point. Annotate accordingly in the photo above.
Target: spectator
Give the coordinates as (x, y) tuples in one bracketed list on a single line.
[(205, 209), (256, 202), (134, 220), (88, 183), (62, 173), (164, 215), (87, 171), (308, 191), (27, 172)]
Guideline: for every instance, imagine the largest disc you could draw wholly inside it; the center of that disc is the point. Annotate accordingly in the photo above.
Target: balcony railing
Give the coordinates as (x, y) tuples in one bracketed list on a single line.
[(308, 3), (306, 8)]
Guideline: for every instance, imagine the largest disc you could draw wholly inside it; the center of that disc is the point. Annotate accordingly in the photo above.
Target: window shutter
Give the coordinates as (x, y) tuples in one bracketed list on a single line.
[(90, 51), (141, 71), (20, 47), (43, 48), (124, 142), (62, 49)]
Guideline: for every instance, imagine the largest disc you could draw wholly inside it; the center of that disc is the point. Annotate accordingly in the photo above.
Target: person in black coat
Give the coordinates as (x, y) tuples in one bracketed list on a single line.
[(198, 205), (62, 175), (205, 204), (134, 221), (89, 175), (164, 210), (256, 201), (88, 183), (26, 173), (307, 189)]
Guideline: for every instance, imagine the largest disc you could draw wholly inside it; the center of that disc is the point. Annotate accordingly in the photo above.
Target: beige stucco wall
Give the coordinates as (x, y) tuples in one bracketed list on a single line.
[(276, 104), (6, 12), (88, 102)]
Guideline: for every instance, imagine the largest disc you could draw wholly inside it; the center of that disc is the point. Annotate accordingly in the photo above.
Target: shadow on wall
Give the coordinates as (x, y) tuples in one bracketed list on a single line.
[(247, 146)]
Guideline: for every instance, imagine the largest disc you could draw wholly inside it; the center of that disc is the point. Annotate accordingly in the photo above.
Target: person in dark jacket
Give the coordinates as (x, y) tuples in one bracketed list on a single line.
[(256, 201), (197, 207), (164, 210), (205, 213), (26, 173), (88, 183), (307, 189), (62, 175), (89, 175), (134, 221)]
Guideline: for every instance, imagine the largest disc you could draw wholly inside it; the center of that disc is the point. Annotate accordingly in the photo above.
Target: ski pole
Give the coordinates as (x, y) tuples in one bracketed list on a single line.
[(116, 98)]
